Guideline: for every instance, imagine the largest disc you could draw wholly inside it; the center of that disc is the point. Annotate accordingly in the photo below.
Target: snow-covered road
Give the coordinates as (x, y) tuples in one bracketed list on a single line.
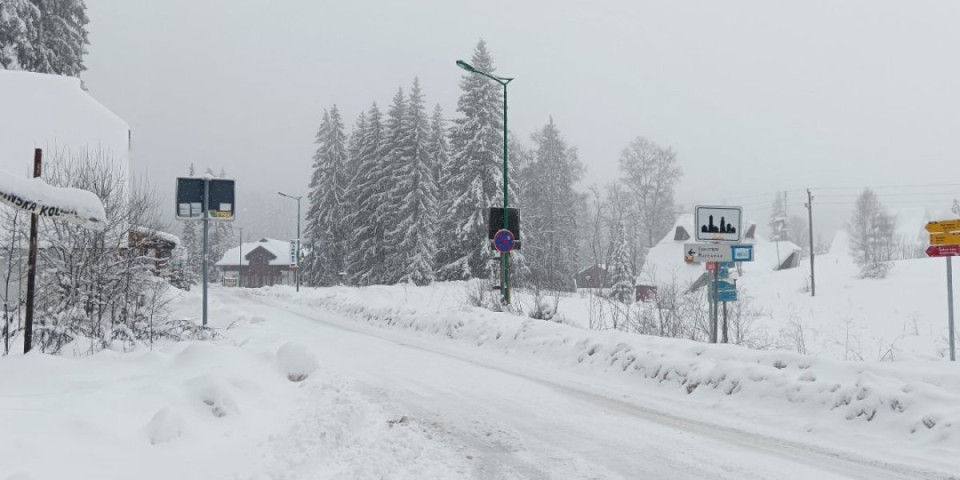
[(506, 418)]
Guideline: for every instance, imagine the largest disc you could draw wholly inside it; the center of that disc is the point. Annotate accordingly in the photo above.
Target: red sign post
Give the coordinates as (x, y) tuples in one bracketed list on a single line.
[(945, 242)]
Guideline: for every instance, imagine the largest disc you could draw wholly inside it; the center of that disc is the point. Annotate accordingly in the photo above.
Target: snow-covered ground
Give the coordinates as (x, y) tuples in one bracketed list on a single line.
[(408, 382)]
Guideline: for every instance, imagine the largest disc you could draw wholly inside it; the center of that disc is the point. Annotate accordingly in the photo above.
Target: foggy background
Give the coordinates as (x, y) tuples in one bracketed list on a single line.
[(756, 97)]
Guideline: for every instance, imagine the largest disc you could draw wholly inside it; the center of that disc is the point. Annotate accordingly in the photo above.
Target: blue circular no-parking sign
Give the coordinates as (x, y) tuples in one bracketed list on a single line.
[(503, 240)]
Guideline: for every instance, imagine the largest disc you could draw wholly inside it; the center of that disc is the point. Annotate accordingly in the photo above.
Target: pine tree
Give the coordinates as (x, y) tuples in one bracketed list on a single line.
[(325, 231), (439, 152), (413, 233), (551, 205), (475, 178), (365, 257), (57, 41), (19, 22), (392, 192), (622, 273), (778, 219)]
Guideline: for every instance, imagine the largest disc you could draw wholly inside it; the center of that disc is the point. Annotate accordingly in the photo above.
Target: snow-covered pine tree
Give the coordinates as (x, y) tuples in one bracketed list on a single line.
[(778, 219), (354, 145), (622, 275), (392, 192), (325, 216), (312, 228), (413, 233), (440, 154), (60, 42), (364, 262), (550, 212), (19, 21), (475, 174)]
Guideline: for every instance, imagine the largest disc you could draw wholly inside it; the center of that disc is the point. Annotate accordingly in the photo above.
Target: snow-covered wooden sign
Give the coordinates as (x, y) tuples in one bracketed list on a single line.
[(72, 205)]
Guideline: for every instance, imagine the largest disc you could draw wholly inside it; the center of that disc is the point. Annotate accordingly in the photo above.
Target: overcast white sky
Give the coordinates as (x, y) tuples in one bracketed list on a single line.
[(756, 96)]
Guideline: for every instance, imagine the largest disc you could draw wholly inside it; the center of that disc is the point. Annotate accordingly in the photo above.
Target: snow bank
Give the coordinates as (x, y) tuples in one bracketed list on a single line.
[(202, 410), (916, 399)]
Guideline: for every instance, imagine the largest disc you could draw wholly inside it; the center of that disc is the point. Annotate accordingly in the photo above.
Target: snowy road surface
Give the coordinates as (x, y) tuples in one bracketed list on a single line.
[(504, 419)]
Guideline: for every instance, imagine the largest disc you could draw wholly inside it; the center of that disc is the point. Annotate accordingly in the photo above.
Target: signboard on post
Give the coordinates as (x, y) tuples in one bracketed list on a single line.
[(718, 224), (294, 261), (221, 204), (717, 252), (945, 242)]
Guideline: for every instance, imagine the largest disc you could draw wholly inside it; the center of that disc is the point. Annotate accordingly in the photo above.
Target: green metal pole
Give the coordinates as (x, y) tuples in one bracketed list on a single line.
[(505, 257)]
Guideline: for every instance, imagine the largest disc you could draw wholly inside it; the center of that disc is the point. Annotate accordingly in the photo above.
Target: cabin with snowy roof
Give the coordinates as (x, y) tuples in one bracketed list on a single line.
[(263, 263)]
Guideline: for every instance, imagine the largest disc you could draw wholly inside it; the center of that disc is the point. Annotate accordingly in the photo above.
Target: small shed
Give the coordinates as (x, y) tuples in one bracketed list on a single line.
[(149, 243), (259, 264), (594, 276)]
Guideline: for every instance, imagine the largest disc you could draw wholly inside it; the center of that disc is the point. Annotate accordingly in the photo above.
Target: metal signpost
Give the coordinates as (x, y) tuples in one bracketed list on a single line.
[(721, 226), (205, 199), (945, 242)]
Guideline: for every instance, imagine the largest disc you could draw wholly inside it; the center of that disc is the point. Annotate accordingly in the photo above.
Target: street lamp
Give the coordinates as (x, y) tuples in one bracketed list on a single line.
[(297, 271), (505, 256)]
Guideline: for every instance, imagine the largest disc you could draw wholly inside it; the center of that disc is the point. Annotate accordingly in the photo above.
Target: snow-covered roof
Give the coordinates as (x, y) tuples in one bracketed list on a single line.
[(278, 248), (665, 261), (167, 237), (53, 112)]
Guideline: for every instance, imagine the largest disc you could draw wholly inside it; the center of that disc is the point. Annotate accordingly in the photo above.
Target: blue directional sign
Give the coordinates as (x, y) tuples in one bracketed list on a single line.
[(723, 285), (503, 240), (727, 296)]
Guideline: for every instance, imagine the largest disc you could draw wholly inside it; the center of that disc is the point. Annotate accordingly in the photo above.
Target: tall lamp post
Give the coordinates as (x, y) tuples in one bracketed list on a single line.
[(297, 271), (505, 256)]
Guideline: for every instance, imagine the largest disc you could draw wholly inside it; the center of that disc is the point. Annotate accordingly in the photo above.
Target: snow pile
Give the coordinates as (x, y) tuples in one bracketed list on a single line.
[(296, 362), (200, 410), (920, 399)]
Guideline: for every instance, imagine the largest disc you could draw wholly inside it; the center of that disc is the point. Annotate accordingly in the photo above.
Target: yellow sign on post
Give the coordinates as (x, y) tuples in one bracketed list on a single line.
[(943, 226), (945, 239)]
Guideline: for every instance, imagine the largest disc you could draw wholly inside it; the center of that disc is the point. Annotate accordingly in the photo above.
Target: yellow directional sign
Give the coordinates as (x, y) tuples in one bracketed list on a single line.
[(943, 226), (945, 239)]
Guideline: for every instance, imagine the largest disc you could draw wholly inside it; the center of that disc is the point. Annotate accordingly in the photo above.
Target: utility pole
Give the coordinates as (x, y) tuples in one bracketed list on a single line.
[(809, 205)]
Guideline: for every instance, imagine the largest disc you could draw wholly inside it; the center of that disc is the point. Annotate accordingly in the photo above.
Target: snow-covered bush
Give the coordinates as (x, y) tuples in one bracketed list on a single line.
[(92, 288)]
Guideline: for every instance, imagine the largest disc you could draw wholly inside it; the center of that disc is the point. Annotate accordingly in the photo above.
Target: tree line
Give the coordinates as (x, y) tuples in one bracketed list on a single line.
[(404, 196)]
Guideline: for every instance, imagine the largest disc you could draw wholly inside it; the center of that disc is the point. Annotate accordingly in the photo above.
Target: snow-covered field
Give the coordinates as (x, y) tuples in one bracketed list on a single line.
[(408, 382)]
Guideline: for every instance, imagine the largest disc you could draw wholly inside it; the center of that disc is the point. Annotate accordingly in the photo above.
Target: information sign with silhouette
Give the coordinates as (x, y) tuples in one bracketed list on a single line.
[(718, 224)]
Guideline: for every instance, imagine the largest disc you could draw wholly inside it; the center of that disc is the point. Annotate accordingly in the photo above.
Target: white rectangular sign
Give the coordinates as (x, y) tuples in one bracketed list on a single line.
[(708, 252), (718, 224)]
